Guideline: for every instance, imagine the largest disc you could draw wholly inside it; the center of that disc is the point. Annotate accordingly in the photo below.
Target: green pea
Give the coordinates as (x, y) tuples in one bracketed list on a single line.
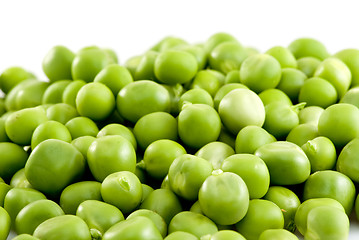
[(119, 156), (302, 133), (291, 83), (196, 207), (145, 67), (70, 92), (118, 129), (11, 77), (277, 234), (54, 92), (25, 236), (19, 180), (155, 126), (13, 158), (261, 215), (215, 153), (208, 80), (216, 39), (135, 228), (10, 100), (274, 95), (4, 188), (232, 77), (197, 51), (61, 112), (30, 95), (260, 72), (308, 47), (195, 96), (57, 63), (82, 144), (310, 115), (82, 126), (284, 56), (153, 216), (308, 65), (53, 165), (250, 138), (146, 190), (351, 58), (5, 223), (33, 214), (286, 162), (287, 201), (132, 63), (224, 90), (347, 162), (321, 153), (169, 42), (351, 96), (240, 108), (226, 235), (63, 227), (179, 235)]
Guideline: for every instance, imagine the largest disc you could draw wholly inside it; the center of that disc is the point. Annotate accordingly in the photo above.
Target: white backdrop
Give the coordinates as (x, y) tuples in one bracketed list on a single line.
[(28, 29)]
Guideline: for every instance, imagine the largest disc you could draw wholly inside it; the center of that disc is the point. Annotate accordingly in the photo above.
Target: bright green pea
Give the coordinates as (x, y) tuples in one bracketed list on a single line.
[(63, 227), (207, 80), (180, 235), (61, 112), (73, 195), (125, 184), (12, 76), (145, 68), (132, 63), (50, 130), (118, 129), (339, 123), (287, 201), (226, 235), (232, 77), (132, 229), (308, 65), (19, 180), (10, 100), (82, 144), (146, 190), (224, 90), (195, 96), (25, 236), (336, 72), (153, 216), (321, 153), (285, 57), (310, 115), (274, 95), (173, 66), (347, 161), (261, 215), (286, 162), (216, 39), (240, 108), (4, 188), (155, 126), (98, 215), (30, 95), (5, 223), (198, 124), (351, 96), (53, 165), (164, 202), (351, 58), (186, 175), (54, 92), (20, 125), (260, 72), (82, 126), (215, 153), (194, 223), (33, 214), (252, 170), (308, 47), (331, 184), (157, 162), (142, 97), (224, 198), (119, 156), (13, 158), (291, 83), (302, 133), (169, 42), (70, 92), (277, 234), (197, 51), (57, 63), (250, 138)]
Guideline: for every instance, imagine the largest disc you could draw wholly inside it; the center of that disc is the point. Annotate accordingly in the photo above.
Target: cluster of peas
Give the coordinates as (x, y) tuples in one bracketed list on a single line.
[(212, 141)]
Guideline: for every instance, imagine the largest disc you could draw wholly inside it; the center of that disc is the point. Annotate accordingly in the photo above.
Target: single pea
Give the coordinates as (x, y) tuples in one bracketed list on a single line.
[(54, 92), (321, 153), (240, 108), (186, 175), (70, 92), (287, 201), (227, 235), (135, 228), (57, 63), (198, 124), (25, 236), (208, 80), (30, 95), (11, 77), (196, 207), (347, 161), (224, 197), (195, 96), (154, 217), (308, 47), (73, 195), (118, 129), (50, 130), (261, 215), (5, 223), (351, 58), (336, 72), (82, 144), (338, 122), (277, 234), (291, 83), (88, 63), (13, 158), (142, 97), (155, 126), (302, 133), (33, 214), (61, 112), (19, 180), (308, 65), (179, 235), (20, 125), (252, 170), (4, 188), (310, 115), (250, 138), (284, 56), (173, 66), (82, 126), (260, 72), (216, 39), (132, 63), (53, 165), (224, 90), (274, 95), (232, 77), (63, 227), (331, 184), (111, 54), (119, 156), (286, 162), (197, 51), (146, 190), (145, 67), (351, 96), (169, 42), (10, 100), (215, 153)]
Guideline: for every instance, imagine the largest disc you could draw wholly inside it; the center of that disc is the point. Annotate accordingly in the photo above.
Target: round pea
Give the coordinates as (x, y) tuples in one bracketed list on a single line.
[(179, 235), (197, 51), (302, 133), (232, 77), (291, 83), (195, 96), (208, 80), (274, 95), (226, 235), (284, 56), (54, 92), (12, 76), (118, 129), (82, 126), (347, 161), (25, 236), (145, 68), (154, 217), (30, 95), (351, 96), (19, 180), (224, 90), (310, 115), (308, 47), (277, 234), (70, 92), (4, 188), (215, 153), (216, 39), (61, 112), (13, 158), (351, 58), (308, 65), (5, 223)]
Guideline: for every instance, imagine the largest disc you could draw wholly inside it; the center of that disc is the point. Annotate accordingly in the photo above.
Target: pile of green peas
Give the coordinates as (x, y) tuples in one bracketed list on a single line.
[(208, 141)]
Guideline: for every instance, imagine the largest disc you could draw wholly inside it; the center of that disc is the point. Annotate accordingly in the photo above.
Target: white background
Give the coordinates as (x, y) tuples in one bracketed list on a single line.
[(28, 29)]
